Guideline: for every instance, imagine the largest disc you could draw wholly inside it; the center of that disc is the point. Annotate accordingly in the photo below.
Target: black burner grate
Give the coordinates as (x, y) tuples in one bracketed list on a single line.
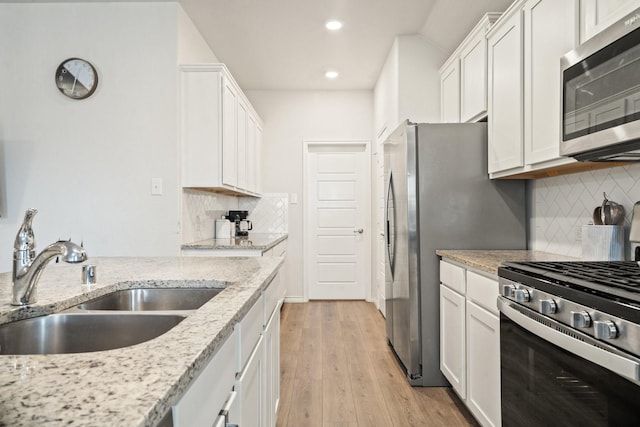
[(611, 274)]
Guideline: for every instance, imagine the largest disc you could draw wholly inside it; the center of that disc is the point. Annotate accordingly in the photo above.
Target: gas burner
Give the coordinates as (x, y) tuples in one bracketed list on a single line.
[(614, 274)]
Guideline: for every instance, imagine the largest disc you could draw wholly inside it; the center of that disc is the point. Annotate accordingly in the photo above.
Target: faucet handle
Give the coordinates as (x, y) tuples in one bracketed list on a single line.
[(25, 240)]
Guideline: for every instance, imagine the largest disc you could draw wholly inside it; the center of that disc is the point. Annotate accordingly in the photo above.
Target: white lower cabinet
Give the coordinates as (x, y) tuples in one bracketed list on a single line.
[(452, 339), (470, 339), (483, 364), (207, 395), (272, 367), (241, 383), (251, 390)]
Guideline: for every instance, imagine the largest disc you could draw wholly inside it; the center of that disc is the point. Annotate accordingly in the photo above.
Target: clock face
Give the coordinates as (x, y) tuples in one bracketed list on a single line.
[(76, 78)]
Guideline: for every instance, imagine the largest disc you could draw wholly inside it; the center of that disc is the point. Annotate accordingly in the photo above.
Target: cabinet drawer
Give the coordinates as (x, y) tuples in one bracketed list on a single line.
[(249, 330), (483, 291), (200, 404), (452, 276)]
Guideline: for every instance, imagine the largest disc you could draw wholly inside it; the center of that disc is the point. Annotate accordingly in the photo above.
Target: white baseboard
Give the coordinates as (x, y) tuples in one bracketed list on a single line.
[(295, 300)]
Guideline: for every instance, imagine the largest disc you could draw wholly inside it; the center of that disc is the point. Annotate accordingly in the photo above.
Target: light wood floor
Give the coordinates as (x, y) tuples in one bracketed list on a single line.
[(337, 370)]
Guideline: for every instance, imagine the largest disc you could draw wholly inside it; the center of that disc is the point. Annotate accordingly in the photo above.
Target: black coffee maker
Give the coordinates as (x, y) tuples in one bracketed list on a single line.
[(242, 224)]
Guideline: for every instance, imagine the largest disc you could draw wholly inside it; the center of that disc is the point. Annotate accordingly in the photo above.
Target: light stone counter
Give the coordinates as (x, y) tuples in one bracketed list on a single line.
[(254, 241), (131, 386), (490, 260)]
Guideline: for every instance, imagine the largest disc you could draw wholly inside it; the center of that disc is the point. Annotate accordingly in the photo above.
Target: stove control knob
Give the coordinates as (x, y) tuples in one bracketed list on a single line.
[(605, 329), (548, 306), (522, 295), (508, 291), (580, 319)]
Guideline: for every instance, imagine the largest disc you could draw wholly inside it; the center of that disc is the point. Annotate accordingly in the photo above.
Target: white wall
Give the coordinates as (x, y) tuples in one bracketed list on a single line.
[(87, 165), (290, 117)]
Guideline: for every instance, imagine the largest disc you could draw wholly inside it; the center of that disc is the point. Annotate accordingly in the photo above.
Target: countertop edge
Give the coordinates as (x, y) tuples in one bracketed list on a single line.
[(489, 261), (227, 244)]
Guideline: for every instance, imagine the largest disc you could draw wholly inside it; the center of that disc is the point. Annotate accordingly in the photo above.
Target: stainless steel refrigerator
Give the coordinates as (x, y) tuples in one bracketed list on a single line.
[(438, 196)]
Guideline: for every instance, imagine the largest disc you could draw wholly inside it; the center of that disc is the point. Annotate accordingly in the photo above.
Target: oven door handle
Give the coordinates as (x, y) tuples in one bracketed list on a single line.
[(621, 365)]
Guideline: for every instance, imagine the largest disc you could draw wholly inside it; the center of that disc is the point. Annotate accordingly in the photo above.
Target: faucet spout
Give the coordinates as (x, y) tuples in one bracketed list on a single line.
[(27, 269)]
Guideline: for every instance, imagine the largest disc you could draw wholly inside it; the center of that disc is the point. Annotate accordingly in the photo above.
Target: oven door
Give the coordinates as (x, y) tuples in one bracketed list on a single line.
[(544, 382)]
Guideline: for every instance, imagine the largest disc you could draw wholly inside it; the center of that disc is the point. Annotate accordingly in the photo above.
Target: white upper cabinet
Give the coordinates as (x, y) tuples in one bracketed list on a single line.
[(505, 93), (243, 146), (596, 15), (450, 91), (408, 86), (549, 33), (463, 78), (217, 132), (525, 47), (229, 133)]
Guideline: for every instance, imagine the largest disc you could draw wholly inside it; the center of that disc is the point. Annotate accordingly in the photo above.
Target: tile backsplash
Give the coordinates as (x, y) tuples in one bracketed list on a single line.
[(200, 209), (561, 205), (268, 214)]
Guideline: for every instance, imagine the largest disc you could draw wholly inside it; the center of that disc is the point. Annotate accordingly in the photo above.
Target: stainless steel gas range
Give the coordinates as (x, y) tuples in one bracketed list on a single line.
[(570, 343)]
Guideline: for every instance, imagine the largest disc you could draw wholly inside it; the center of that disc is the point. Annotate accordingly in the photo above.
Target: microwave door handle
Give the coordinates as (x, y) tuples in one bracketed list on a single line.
[(621, 365)]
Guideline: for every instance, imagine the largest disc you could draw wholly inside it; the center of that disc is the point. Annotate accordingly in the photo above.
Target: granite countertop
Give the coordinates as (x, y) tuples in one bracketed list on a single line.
[(131, 386), (255, 241), (490, 260)]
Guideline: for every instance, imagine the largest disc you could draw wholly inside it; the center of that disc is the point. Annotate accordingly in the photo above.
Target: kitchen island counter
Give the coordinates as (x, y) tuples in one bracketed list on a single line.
[(131, 386), (489, 260)]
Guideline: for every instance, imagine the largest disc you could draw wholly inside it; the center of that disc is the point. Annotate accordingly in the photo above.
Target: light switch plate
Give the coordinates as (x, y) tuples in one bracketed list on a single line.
[(156, 186), (294, 198)]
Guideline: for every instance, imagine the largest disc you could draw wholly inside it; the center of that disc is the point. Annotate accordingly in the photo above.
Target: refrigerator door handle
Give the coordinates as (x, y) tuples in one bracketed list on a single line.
[(390, 225)]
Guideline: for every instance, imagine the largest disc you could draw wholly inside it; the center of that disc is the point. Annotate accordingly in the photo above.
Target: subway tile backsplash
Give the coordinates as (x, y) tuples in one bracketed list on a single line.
[(561, 205)]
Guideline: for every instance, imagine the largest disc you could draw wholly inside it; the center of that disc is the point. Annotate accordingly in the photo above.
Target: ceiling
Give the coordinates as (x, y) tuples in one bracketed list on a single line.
[(283, 45)]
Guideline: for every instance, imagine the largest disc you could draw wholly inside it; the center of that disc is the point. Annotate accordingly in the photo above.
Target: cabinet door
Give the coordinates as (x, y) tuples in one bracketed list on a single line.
[(450, 93), (549, 33), (229, 134), (251, 154), (473, 79), (272, 364), (452, 339), (257, 155), (250, 387), (483, 365), (505, 95), (596, 15), (200, 127), (243, 146), (201, 403)]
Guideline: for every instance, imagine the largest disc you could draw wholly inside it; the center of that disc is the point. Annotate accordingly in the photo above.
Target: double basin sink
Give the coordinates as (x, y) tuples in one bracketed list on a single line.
[(115, 320)]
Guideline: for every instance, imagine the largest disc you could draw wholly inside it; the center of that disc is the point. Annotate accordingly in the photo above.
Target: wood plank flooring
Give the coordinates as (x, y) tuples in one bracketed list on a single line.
[(337, 370)]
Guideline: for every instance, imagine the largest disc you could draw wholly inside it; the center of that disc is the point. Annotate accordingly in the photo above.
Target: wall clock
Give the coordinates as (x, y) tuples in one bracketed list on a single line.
[(76, 78)]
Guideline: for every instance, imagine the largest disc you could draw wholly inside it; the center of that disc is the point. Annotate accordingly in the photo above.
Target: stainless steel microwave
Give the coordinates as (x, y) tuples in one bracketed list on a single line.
[(600, 117)]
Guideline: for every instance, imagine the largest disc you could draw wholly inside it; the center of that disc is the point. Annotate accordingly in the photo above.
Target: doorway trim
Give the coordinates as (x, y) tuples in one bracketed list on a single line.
[(316, 143)]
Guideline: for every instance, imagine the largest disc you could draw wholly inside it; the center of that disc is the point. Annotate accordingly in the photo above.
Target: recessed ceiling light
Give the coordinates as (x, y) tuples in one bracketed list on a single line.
[(333, 25), (331, 74)]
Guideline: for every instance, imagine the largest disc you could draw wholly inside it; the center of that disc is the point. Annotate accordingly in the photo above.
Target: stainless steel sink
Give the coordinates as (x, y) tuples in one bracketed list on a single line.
[(162, 299), (82, 332)]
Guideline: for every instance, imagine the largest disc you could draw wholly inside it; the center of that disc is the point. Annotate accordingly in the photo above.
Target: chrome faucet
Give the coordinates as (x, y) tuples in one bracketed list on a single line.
[(27, 267)]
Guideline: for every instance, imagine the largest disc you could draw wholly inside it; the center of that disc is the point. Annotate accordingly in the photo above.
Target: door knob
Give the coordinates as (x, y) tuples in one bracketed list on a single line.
[(358, 230)]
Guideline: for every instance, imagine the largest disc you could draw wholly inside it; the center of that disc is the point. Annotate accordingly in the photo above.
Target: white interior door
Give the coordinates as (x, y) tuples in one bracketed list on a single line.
[(338, 218)]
